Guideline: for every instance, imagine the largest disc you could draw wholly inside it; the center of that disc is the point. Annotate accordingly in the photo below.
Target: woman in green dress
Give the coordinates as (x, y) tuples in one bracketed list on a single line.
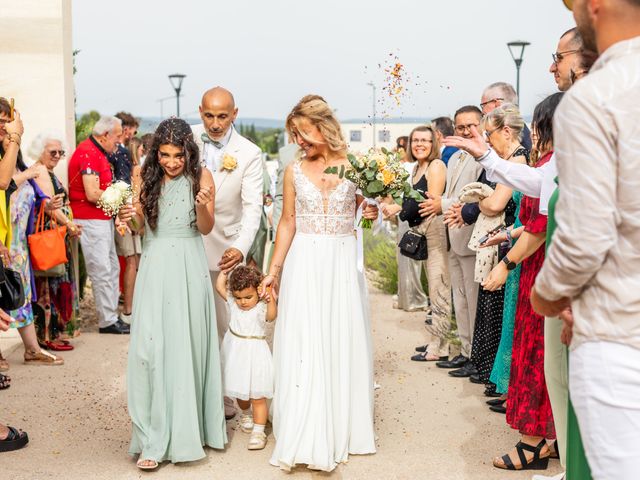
[(173, 375)]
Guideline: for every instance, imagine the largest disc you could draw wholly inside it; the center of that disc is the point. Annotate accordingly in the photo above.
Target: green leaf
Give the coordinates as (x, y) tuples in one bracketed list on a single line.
[(375, 187), (341, 174), (398, 200), (370, 174), (352, 159), (385, 151), (374, 165)]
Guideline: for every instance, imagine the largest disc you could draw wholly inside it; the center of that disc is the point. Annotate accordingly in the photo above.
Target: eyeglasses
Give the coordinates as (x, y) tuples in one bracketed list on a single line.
[(493, 100), (488, 133), (418, 141), (56, 153), (463, 128), (558, 56)]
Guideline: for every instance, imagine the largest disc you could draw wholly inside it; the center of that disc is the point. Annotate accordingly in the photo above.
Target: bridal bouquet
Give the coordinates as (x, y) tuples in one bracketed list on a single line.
[(115, 197), (377, 173)]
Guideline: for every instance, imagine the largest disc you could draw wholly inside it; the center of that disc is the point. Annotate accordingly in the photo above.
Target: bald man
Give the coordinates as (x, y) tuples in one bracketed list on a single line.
[(236, 165)]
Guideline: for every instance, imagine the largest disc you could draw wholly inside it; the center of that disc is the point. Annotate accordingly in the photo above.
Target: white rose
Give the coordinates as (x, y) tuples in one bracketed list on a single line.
[(121, 186), (111, 196), (379, 176)]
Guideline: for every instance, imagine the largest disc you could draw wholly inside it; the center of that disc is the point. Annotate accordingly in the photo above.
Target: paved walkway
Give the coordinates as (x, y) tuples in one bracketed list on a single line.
[(430, 426)]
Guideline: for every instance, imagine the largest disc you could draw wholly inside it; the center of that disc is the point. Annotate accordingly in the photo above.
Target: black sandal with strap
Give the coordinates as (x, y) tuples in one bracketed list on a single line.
[(14, 441), (536, 463), (5, 381)]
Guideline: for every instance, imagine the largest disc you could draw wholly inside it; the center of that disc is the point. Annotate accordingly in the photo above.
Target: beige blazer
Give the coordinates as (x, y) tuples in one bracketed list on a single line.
[(459, 175), (238, 198)]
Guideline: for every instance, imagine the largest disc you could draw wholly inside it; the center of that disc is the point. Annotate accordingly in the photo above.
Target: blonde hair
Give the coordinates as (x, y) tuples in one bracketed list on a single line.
[(507, 115), (315, 109), (435, 144)]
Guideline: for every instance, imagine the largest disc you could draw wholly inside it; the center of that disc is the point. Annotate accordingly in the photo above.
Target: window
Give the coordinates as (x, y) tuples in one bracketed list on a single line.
[(355, 135), (384, 136)]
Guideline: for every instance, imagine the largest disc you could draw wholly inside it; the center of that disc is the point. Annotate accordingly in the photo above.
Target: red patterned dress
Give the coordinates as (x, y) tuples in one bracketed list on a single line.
[(528, 406)]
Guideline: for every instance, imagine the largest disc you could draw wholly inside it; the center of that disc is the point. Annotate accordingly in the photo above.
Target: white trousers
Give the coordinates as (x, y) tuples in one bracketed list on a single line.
[(99, 250), (604, 383), (465, 297)]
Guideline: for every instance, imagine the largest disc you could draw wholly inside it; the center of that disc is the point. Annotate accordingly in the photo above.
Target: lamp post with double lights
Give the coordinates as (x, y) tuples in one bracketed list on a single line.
[(176, 80)]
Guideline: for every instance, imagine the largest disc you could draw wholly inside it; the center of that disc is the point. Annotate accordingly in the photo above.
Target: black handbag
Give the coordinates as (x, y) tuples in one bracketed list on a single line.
[(413, 245), (11, 291)]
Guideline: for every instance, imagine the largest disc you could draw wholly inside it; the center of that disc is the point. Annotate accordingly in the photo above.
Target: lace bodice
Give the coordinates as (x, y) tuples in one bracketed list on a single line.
[(333, 215)]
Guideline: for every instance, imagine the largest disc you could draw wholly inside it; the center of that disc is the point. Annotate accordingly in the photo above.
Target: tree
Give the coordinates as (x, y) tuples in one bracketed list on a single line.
[(84, 125)]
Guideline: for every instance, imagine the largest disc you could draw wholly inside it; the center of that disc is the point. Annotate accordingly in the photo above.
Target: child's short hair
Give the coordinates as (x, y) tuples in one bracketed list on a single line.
[(244, 276)]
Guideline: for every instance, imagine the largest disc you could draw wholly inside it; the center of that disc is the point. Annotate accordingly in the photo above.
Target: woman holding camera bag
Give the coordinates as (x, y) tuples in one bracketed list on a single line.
[(429, 177)]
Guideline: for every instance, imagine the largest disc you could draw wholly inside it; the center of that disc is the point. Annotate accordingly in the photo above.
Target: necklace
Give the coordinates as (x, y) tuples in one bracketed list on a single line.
[(512, 153)]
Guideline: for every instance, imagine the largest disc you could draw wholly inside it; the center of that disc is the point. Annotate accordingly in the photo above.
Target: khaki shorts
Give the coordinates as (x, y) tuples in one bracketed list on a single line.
[(128, 245)]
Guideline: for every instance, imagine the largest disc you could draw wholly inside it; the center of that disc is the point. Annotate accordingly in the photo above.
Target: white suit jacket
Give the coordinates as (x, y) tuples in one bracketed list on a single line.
[(238, 198)]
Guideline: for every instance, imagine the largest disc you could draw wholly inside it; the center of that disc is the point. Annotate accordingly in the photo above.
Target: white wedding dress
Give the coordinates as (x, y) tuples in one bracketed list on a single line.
[(323, 401)]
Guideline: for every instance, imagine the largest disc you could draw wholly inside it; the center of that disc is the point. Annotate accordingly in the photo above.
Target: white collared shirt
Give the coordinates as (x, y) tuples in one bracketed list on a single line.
[(213, 155)]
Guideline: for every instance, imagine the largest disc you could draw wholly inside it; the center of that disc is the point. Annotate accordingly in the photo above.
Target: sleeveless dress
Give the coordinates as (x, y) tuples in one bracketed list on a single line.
[(529, 408), (323, 401), (247, 366), (502, 364), (173, 374)]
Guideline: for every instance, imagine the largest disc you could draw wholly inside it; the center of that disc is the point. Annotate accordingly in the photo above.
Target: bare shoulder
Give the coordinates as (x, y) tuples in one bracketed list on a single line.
[(207, 177), (437, 165)]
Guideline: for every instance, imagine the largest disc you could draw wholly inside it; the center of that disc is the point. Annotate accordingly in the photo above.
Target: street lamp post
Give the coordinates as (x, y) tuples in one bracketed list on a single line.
[(373, 87), (516, 49), (176, 80)]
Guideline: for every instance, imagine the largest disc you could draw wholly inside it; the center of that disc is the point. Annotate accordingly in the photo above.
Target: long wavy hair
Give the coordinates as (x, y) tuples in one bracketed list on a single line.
[(176, 132), (317, 111)]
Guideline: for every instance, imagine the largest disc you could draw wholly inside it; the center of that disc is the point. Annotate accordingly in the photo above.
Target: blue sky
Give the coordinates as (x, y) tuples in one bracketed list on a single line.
[(269, 54)]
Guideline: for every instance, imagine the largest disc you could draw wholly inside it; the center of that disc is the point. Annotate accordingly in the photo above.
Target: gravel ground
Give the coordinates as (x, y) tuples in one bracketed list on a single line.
[(429, 425)]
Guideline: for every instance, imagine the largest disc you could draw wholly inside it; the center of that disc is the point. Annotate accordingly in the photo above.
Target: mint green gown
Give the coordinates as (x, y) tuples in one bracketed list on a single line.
[(173, 374)]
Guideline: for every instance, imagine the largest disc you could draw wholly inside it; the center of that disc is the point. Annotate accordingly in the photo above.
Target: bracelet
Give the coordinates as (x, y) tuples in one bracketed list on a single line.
[(484, 155)]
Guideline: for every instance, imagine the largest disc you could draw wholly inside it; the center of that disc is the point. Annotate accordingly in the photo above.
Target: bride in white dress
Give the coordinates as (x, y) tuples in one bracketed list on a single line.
[(323, 399)]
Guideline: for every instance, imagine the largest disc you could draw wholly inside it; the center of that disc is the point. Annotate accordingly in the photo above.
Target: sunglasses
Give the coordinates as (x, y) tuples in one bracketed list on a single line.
[(57, 153)]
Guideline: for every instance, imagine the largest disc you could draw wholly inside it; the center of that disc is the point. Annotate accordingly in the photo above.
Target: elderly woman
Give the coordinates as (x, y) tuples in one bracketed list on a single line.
[(496, 309), (57, 306)]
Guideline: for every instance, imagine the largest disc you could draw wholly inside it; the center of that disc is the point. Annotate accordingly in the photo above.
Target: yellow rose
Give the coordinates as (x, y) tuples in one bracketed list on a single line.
[(229, 163), (382, 163), (388, 177)]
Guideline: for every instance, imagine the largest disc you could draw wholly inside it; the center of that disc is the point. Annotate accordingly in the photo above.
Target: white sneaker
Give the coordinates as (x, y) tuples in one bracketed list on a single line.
[(559, 476), (246, 423), (257, 441)]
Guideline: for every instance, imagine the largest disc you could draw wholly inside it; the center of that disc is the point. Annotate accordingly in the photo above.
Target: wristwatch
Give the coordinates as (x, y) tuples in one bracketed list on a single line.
[(510, 265)]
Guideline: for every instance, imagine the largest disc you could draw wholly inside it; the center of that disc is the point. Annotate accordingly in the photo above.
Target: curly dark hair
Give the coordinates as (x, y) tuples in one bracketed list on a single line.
[(177, 132), (244, 276)]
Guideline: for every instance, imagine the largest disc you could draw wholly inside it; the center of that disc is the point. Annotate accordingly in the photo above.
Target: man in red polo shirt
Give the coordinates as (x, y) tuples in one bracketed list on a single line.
[(89, 175)]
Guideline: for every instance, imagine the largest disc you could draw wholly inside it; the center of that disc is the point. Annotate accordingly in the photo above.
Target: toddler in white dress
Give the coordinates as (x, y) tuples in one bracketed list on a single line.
[(247, 364)]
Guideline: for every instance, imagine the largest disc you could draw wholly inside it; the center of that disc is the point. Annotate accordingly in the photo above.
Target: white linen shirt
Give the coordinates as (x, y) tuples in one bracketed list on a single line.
[(594, 258), (213, 155)]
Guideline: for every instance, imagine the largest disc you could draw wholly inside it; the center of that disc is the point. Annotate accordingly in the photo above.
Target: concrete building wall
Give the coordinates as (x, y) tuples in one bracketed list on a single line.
[(36, 62), (359, 136)]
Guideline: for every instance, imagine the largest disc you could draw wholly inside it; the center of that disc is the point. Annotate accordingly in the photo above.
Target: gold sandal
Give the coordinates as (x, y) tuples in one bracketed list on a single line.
[(4, 365), (42, 357)]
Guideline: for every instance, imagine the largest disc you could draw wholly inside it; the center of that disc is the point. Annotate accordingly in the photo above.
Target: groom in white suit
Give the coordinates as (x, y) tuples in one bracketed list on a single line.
[(236, 165)]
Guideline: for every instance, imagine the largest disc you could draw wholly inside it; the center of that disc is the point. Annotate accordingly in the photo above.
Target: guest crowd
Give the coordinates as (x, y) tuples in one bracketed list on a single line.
[(495, 263)]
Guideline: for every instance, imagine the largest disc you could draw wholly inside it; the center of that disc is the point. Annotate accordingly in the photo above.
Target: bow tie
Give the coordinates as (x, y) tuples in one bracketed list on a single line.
[(205, 138)]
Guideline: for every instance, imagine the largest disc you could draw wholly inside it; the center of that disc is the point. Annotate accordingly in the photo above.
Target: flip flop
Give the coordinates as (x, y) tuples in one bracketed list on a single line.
[(14, 441)]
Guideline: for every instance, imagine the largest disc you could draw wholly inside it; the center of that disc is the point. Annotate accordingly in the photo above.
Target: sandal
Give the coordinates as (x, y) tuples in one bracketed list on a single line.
[(63, 346), (14, 441), (42, 358), (427, 357), (4, 365), (5, 381), (554, 451), (536, 463), (152, 466)]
